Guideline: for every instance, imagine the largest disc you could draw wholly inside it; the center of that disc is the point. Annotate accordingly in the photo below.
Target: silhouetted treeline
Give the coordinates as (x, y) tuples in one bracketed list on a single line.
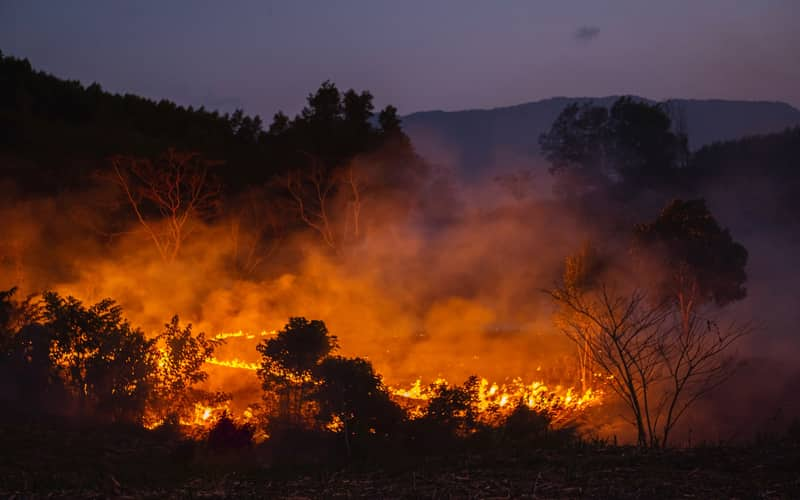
[(55, 132), (61, 358), (762, 172)]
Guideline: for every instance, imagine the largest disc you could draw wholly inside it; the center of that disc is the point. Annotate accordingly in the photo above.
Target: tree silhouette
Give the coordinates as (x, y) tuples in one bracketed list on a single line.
[(288, 365), (576, 147), (705, 264), (7, 330), (650, 333), (180, 361), (105, 363), (631, 144), (352, 395), (389, 121), (453, 409), (645, 150), (168, 196), (227, 435)]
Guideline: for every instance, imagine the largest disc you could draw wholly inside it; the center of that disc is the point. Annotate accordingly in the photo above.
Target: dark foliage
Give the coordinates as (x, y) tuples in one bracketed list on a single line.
[(289, 363), (179, 370), (631, 145), (55, 133), (351, 394), (102, 360), (453, 410), (69, 358), (227, 435), (760, 173), (526, 428), (703, 257)]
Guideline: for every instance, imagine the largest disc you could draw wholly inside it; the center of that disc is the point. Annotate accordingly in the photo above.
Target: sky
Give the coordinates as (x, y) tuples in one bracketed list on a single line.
[(267, 56)]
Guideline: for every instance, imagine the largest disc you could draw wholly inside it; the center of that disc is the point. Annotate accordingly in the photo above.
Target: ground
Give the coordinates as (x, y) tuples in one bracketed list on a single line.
[(123, 462)]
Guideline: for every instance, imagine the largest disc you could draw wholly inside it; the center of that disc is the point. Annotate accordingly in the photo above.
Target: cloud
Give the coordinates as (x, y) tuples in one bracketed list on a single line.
[(586, 33)]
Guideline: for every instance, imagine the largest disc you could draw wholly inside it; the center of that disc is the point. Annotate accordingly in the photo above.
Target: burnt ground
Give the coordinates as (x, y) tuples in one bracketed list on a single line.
[(122, 462)]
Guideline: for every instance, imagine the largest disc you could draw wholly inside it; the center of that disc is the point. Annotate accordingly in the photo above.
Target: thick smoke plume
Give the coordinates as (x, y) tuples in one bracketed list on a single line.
[(447, 284)]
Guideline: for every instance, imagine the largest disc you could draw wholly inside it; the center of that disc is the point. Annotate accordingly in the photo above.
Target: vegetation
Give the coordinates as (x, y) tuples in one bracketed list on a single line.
[(632, 144), (645, 311), (181, 356), (657, 341)]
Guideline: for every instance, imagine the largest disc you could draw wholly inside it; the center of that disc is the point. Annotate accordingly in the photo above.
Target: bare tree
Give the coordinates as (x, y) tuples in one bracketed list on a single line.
[(311, 191), (658, 363), (256, 231), (322, 196), (353, 182), (167, 195)]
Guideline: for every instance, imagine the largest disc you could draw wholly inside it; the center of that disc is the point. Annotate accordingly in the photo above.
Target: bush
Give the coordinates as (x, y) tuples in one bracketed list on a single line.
[(228, 435)]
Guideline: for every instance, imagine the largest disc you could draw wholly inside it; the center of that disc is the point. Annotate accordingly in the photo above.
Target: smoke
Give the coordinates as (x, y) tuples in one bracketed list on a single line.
[(444, 281), (449, 288)]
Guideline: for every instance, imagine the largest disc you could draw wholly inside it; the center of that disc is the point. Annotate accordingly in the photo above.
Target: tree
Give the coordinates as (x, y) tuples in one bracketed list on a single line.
[(180, 361), (357, 111), (323, 196), (169, 196), (576, 147), (227, 435), (26, 377), (106, 364), (620, 331), (351, 394), (257, 226), (454, 409), (642, 144), (313, 191), (657, 341), (288, 365), (389, 122), (702, 269), (632, 144), (581, 272), (332, 153), (704, 263), (7, 330)]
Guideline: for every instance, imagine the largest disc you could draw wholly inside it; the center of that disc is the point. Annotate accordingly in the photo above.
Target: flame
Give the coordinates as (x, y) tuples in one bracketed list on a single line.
[(495, 400), (245, 335), (561, 404), (234, 363)]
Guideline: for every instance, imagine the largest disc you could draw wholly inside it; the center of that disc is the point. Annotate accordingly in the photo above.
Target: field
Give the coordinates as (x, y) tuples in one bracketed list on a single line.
[(69, 461)]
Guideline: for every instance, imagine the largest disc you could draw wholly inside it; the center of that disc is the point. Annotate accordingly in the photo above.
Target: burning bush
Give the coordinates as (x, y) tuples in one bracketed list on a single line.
[(179, 370)]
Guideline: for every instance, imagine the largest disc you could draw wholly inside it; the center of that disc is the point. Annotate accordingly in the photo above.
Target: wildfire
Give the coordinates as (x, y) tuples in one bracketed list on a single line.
[(234, 363), (562, 405), (245, 335), (204, 415)]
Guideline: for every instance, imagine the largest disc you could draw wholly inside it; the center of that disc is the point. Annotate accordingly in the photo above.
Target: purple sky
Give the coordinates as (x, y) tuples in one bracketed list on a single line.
[(264, 56)]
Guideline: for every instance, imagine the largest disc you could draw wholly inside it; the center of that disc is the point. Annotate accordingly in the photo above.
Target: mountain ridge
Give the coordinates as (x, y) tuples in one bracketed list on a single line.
[(479, 140)]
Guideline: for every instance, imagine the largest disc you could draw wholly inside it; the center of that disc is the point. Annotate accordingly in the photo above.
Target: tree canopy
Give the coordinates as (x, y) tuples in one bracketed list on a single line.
[(57, 132), (701, 256), (633, 143)]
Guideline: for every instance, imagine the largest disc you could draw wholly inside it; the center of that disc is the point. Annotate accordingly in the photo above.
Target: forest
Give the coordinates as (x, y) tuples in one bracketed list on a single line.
[(206, 299)]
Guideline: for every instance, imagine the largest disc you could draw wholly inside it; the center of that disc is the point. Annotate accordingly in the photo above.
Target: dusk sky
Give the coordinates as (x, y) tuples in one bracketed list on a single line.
[(418, 55)]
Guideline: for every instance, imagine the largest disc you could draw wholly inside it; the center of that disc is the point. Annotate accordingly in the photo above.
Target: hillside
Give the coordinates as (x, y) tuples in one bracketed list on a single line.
[(476, 140)]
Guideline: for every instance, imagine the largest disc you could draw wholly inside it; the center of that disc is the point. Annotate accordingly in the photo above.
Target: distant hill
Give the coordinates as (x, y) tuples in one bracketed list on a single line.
[(476, 140)]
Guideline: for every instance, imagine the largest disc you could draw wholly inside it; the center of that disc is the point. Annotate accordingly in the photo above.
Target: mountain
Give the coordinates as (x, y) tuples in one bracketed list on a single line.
[(477, 140)]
